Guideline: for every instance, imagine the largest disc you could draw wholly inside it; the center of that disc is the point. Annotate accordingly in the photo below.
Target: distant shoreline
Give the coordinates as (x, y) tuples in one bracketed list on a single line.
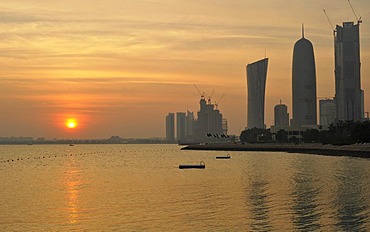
[(361, 151)]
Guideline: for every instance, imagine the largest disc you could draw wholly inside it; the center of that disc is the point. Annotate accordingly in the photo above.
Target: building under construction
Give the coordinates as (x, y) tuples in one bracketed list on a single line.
[(209, 122), (347, 72), (349, 96), (209, 126)]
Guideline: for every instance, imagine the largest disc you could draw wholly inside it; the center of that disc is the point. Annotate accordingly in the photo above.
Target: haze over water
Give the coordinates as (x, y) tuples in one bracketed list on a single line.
[(140, 188), (109, 65)]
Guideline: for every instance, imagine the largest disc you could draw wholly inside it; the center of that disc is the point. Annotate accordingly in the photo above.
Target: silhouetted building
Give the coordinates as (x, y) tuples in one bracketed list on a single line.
[(225, 126), (363, 105), (180, 126), (327, 112), (170, 128), (304, 84), (347, 72), (209, 122), (281, 117), (189, 124), (256, 81)]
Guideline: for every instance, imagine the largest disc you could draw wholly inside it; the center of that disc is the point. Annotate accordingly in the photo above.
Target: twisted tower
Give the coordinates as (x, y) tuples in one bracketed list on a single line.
[(256, 81)]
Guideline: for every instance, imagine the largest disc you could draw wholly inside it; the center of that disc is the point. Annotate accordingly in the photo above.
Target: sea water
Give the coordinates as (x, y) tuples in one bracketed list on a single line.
[(141, 188)]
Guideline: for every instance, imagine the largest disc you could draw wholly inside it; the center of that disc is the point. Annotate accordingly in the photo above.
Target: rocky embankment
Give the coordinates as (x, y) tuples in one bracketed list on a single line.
[(357, 150)]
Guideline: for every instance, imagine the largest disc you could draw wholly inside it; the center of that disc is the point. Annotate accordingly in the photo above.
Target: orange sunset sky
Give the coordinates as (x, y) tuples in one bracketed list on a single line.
[(119, 66)]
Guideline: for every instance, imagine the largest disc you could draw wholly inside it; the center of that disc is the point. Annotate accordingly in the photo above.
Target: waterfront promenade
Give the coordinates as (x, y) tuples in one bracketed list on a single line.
[(356, 150)]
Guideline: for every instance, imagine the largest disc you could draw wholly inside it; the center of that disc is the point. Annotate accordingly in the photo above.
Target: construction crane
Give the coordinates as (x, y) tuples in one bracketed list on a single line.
[(359, 20), (216, 103), (210, 97), (200, 93), (331, 25)]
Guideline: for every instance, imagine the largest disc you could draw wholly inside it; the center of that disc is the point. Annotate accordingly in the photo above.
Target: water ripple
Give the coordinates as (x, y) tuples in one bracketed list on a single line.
[(140, 188)]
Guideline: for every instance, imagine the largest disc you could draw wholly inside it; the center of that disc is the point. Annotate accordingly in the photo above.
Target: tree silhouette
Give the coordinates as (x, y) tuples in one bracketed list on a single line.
[(255, 135)]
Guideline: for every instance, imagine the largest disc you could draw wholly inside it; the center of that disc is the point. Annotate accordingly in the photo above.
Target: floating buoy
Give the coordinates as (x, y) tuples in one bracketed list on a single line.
[(201, 165), (223, 157)]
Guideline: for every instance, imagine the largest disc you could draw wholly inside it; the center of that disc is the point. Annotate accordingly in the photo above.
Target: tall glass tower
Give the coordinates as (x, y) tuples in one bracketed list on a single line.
[(256, 81), (347, 72), (304, 84)]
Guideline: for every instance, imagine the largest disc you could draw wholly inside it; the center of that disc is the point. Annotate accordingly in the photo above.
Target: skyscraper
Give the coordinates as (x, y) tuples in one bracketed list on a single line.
[(281, 117), (189, 123), (256, 81), (180, 126), (170, 128), (347, 72), (304, 84)]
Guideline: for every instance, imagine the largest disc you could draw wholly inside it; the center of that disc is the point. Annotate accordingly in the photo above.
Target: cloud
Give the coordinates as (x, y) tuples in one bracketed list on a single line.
[(13, 17), (134, 58)]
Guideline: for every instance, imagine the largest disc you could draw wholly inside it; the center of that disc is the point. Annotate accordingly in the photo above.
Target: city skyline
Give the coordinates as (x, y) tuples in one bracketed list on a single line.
[(119, 67)]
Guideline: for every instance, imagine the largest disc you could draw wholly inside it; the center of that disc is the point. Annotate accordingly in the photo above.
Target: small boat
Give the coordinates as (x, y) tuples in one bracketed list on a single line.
[(202, 165), (223, 157), (71, 144)]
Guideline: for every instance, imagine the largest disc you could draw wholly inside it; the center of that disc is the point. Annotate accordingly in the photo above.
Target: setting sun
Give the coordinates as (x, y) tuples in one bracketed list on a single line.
[(71, 123)]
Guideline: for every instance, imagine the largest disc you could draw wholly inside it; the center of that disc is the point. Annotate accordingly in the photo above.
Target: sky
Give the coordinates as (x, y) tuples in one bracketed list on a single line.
[(118, 67)]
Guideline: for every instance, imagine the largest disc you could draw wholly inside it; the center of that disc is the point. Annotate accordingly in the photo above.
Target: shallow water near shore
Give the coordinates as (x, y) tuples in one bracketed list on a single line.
[(141, 188)]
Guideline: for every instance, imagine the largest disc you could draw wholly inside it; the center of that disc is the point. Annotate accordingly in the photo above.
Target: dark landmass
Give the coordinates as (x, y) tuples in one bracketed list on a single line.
[(111, 140), (357, 150)]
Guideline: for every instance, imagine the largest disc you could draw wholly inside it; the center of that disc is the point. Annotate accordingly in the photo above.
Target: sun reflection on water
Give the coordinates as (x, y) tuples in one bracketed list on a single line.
[(100, 188), (73, 184)]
